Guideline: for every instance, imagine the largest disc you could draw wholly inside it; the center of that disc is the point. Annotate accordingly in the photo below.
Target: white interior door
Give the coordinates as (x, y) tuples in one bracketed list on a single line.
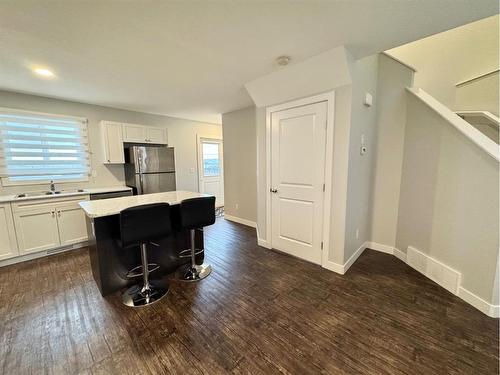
[(211, 168), (298, 141)]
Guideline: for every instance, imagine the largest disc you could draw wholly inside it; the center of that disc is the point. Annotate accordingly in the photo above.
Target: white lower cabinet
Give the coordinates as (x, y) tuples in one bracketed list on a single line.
[(8, 243), (36, 230), (47, 224), (72, 225)]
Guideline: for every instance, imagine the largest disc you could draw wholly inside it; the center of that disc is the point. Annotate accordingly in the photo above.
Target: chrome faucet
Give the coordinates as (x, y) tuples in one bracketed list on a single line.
[(52, 187)]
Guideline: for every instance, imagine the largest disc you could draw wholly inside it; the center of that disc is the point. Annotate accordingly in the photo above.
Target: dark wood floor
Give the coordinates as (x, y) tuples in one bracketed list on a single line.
[(260, 312)]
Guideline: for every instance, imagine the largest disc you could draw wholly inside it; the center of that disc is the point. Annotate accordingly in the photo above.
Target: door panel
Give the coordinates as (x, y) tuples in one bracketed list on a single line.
[(134, 133), (156, 135), (36, 230), (151, 159), (210, 168), (72, 225), (156, 183), (8, 243), (298, 141)]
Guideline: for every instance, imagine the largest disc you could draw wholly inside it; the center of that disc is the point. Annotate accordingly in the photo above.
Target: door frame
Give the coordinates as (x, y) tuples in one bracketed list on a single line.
[(199, 152), (329, 98)]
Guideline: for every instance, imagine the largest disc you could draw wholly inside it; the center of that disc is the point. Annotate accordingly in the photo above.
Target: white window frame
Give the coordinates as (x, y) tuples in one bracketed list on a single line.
[(6, 181)]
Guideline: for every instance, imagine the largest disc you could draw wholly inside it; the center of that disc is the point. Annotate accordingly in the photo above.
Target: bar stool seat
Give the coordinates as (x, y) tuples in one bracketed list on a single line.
[(195, 213), (140, 226)]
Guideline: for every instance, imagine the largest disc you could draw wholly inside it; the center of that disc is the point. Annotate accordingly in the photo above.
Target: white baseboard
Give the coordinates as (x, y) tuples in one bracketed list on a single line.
[(261, 241), (399, 254), (479, 303), (240, 220), (342, 268), (379, 247), (41, 254), (335, 267), (438, 272), (354, 256)]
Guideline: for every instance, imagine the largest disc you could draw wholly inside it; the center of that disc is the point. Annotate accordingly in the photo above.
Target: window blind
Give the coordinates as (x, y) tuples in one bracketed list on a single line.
[(38, 147)]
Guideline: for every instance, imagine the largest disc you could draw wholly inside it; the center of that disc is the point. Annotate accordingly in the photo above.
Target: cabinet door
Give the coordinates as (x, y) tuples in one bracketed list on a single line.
[(36, 229), (156, 135), (8, 243), (113, 143), (134, 133), (72, 224)]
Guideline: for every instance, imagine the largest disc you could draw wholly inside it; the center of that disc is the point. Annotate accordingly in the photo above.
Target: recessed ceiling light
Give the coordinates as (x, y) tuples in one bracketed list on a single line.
[(43, 72)]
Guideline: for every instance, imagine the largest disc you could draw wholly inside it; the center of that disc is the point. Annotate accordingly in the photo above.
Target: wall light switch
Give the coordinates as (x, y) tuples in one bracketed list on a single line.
[(94, 173), (368, 99)]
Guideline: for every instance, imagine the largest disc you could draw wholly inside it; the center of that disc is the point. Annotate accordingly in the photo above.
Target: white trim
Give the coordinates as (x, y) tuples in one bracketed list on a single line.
[(332, 266), (480, 76), (261, 241), (446, 273), (342, 268), (399, 254), (329, 98), (42, 254), (481, 140), (479, 303), (385, 53), (379, 247), (355, 256), (437, 271), (239, 220), (484, 114)]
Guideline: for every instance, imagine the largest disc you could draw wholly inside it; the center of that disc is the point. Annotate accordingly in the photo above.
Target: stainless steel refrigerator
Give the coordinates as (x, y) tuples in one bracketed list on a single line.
[(150, 169)]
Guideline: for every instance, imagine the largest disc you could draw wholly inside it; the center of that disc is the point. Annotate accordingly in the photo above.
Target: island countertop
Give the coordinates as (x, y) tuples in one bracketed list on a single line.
[(113, 206)]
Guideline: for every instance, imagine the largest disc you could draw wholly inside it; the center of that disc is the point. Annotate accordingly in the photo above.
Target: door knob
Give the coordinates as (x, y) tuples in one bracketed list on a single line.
[(274, 190)]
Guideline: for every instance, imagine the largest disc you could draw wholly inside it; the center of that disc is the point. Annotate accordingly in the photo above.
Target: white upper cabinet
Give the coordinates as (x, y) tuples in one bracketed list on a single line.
[(144, 134), (156, 135), (134, 133), (112, 140), (114, 134)]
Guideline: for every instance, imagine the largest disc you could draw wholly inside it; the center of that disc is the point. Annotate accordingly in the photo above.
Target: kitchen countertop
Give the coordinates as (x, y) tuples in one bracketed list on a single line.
[(109, 189), (113, 206)]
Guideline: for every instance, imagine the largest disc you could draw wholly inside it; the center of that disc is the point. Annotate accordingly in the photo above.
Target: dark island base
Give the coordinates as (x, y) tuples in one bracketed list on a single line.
[(110, 262)]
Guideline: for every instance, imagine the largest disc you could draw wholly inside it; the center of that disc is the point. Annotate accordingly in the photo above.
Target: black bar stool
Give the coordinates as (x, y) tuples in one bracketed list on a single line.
[(139, 226), (195, 213)]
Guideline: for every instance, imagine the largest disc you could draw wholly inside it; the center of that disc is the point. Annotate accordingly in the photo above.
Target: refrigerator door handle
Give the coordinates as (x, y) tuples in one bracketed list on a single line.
[(141, 178)]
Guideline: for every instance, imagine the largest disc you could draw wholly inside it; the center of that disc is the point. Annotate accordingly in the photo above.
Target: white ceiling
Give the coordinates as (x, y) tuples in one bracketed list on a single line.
[(190, 59)]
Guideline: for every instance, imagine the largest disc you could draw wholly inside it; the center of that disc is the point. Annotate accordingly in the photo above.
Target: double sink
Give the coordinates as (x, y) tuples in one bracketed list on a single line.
[(35, 194)]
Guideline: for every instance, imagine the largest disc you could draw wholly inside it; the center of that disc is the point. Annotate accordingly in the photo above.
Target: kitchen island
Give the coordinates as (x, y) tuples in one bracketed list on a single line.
[(110, 262)]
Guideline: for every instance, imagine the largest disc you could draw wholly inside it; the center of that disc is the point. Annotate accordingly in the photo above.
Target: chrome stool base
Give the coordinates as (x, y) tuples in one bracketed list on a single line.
[(138, 295), (190, 274)]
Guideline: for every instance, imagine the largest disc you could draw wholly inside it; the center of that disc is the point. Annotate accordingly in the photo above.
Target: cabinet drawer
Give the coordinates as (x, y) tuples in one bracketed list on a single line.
[(48, 203)]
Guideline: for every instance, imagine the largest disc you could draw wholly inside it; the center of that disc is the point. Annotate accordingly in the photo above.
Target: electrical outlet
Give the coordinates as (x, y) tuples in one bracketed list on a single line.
[(357, 234), (94, 173), (191, 170), (236, 206)]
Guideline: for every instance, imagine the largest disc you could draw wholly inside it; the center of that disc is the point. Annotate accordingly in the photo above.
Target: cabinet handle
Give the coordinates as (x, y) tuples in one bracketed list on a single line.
[(59, 213), (53, 213)]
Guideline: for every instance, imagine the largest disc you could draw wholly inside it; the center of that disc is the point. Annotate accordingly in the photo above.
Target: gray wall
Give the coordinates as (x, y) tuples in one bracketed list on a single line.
[(240, 159), (181, 133), (449, 203), (361, 167), (393, 78)]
